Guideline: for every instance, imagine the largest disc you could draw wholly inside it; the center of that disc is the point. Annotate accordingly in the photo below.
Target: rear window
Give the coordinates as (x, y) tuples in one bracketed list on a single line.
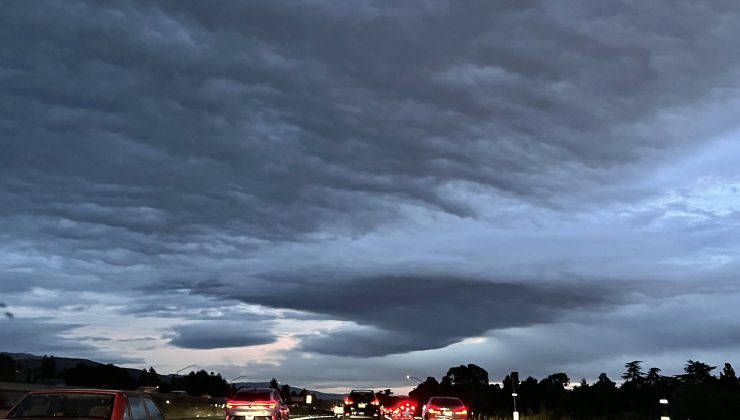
[(252, 396), (138, 412), (153, 410), (98, 406), (446, 402), (362, 397)]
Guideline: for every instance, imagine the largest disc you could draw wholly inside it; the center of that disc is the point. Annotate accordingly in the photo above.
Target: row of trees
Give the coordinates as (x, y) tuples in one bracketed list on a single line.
[(696, 394), (111, 376), (293, 397)]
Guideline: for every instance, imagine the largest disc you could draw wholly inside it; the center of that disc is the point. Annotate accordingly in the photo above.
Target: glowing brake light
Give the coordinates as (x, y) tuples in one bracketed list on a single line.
[(265, 404), (461, 411), (433, 409), (376, 402), (348, 401)]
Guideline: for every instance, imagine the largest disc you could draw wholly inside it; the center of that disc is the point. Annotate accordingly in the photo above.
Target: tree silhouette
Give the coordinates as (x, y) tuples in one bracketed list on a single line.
[(48, 369), (560, 379), (201, 382), (634, 372), (424, 391), (274, 383), (108, 376), (7, 368), (697, 372), (728, 378), (470, 376), (605, 382), (653, 377), (149, 377), (529, 397), (285, 393), (553, 392)]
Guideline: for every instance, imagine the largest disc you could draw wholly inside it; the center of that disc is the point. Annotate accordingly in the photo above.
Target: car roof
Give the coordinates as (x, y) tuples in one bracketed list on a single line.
[(362, 390), (255, 390), (85, 391), (439, 397)]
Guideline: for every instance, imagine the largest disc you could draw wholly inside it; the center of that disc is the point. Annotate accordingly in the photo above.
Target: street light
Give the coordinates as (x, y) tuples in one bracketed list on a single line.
[(414, 378), (172, 375), (238, 377), (186, 367)]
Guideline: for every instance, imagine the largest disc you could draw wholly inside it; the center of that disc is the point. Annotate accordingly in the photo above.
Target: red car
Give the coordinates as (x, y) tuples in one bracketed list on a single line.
[(404, 410), (60, 404)]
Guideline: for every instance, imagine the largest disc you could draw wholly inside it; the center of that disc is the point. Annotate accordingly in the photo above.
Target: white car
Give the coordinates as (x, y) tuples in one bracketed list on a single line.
[(256, 404)]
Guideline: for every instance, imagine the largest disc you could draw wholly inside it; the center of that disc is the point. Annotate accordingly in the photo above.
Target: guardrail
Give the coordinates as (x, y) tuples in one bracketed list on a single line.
[(11, 392)]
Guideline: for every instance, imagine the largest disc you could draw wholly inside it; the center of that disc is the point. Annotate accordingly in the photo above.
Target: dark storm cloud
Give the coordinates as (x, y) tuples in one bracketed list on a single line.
[(40, 336), (180, 119), (187, 306), (370, 342), (219, 334), (403, 314), (146, 145)]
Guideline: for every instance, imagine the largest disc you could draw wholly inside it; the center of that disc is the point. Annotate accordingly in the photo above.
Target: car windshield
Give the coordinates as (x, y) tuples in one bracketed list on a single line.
[(252, 396), (64, 405), (362, 397), (445, 402)]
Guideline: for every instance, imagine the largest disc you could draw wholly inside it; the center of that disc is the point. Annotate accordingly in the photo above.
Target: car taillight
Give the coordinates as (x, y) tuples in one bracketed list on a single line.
[(266, 404), (347, 401), (433, 409), (376, 402), (461, 411)]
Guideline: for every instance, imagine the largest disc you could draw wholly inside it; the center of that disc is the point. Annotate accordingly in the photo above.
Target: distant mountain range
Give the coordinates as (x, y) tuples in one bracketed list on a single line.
[(32, 361)]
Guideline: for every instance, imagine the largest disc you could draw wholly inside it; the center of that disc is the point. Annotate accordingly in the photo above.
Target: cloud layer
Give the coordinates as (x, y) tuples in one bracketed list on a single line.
[(326, 182)]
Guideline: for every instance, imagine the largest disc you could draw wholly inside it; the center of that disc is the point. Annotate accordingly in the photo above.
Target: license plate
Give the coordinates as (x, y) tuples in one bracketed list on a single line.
[(361, 405)]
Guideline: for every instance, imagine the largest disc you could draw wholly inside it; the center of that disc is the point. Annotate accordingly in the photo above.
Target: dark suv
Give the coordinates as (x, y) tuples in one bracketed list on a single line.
[(362, 403)]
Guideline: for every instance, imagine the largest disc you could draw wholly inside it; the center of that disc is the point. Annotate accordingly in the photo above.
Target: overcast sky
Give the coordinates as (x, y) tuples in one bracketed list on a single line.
[(338, 194)]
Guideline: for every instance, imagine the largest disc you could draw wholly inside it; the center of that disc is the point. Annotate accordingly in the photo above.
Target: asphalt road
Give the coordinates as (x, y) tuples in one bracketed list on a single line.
[(4, 412)]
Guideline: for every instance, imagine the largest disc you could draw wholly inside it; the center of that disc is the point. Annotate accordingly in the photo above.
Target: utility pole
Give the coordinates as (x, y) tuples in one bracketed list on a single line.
[(664, 409), (514, 383)]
